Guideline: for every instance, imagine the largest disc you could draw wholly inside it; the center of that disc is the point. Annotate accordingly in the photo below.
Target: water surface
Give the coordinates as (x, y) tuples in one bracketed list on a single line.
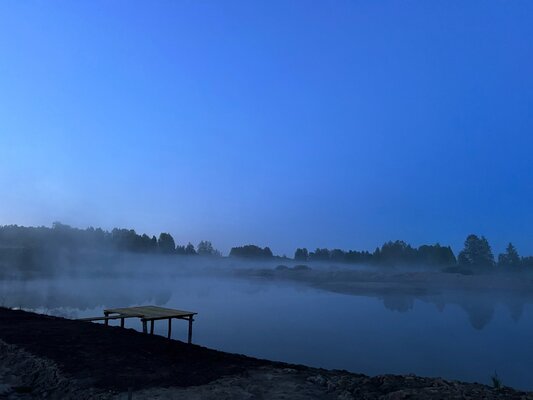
[(465, 336)]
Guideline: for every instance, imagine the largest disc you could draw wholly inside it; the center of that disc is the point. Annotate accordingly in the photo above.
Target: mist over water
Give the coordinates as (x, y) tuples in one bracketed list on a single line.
[(319, 317), (363, 170)]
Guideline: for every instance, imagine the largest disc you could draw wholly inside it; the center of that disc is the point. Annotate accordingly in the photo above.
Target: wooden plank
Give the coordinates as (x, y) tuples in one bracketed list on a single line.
[(124, 311), (98, 318), (161, 315), (185, 317), (150, 312)]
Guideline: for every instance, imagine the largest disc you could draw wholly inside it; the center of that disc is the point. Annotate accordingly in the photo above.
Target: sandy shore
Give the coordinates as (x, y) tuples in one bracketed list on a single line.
[(49, 357)]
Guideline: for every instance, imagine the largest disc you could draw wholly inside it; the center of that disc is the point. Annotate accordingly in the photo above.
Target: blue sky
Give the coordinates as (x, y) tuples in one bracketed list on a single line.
[(280, 123)]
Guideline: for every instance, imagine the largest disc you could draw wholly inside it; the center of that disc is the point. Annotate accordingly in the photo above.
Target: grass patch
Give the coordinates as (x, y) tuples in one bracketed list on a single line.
[(496, 381)]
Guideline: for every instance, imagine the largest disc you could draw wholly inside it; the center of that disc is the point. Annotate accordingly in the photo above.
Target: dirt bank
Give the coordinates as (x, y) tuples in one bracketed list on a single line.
[(43, 356)]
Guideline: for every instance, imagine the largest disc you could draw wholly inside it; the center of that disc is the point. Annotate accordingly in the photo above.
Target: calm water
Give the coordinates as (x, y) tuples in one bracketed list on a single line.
[(464, 337)]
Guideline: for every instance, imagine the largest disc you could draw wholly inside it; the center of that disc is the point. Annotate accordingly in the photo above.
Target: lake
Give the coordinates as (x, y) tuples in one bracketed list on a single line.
[(466, 339)]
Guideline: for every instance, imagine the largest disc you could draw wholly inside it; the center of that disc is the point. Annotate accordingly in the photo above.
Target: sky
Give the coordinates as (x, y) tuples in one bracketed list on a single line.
[(338, 124)]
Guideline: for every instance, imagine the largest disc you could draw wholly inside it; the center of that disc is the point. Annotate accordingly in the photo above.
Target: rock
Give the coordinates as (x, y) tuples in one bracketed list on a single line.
[(289, 370), (345, 395), (398, 395), (317, 380)]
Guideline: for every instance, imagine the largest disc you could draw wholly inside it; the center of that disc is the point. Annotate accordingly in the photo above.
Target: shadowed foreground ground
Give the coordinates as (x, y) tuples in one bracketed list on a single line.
[(60, 358)]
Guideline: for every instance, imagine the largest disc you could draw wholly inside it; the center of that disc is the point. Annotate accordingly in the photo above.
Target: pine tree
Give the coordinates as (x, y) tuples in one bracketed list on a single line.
[(510, 258)]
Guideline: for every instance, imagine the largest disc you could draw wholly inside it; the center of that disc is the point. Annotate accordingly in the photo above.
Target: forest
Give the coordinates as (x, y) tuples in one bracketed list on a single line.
[(20, 246)]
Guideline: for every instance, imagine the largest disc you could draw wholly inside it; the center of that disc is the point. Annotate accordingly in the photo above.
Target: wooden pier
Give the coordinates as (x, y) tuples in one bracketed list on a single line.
[(147, 314)]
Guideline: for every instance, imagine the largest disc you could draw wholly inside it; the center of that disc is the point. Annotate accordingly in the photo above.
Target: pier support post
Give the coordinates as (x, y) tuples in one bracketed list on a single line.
[(151, 327), (169, 327), (189, 339), (106, 314), (145, 327)]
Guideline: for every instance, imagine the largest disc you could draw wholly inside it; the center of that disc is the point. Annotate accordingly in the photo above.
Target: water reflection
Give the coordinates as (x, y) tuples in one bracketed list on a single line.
[(88, 294), (398, 302), (79, 295), (480, 310)]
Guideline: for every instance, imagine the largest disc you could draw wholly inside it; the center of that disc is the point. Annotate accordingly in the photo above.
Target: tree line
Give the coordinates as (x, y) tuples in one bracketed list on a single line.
[(62, 236), (477, 252), (390, 253)]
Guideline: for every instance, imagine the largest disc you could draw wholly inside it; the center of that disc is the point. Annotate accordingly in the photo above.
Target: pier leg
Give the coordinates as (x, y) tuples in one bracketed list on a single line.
[(106, 314), (151, 327), (169, 327), (145, 328), (189, 339), (122, 322)]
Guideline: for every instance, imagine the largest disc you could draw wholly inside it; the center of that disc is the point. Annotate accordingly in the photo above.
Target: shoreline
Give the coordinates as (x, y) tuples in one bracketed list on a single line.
[(61, 358)]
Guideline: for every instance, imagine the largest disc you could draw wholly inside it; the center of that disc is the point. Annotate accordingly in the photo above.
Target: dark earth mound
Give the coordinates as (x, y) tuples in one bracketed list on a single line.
[(116, 358)]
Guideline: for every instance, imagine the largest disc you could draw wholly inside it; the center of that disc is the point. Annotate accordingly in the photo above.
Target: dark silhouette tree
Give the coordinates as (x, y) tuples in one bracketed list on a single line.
[(358, 257), (337, 255), (205, 248), (435, 255), (510, 258), (166, 243), (251, 251), (527, 262), (189, 249), (319, 255), (476, 253), (267, 252), (145, 243), (376, 256), (301, 254), (397, 252), (126, 240)]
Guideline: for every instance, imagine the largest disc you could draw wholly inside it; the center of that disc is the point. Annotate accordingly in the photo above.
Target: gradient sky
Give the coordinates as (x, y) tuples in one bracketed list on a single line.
[(281, 123)]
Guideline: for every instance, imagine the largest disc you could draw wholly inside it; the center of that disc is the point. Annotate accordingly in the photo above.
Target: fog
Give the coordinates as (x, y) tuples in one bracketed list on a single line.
[(359, 318)]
